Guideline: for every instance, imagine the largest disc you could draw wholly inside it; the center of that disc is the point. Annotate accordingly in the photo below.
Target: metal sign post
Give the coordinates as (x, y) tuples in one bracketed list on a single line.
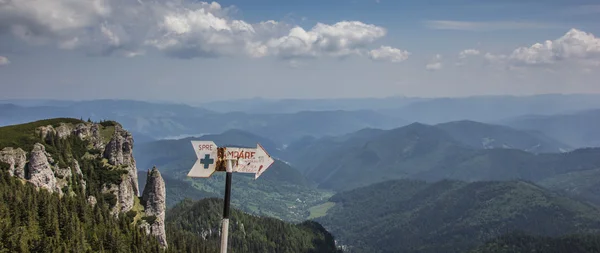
[(242, 160), (225, 225)]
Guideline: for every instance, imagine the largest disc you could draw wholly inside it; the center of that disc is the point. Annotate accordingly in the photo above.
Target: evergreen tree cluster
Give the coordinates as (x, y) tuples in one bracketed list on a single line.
[(521, 242), (195, 227), (35, 220)]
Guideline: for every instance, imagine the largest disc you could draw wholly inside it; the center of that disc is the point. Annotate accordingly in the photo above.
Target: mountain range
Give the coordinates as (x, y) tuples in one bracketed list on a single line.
[(285, 121), (451, 216), (71, 185), (437, 152), (578, 129), (461, 178)]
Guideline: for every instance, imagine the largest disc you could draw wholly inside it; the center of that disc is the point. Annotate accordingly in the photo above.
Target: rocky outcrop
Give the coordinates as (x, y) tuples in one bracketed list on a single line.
[(91, 133), (154, 199), (119, 153), (16, 160), (92, 201), (63, 131), (106, 141), (40, 170)]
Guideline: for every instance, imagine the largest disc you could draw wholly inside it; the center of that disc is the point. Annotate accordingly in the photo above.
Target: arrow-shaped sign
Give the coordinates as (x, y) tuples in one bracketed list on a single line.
[(250, 160), (244, 160), (208, 159)]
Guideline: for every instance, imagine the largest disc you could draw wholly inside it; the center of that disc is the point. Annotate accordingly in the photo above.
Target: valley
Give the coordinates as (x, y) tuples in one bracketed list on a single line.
[(464, 185), (266, 126)]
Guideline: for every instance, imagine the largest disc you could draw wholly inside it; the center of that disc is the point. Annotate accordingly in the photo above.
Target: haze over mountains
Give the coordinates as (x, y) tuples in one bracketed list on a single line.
[(382, 175), (285, 121)]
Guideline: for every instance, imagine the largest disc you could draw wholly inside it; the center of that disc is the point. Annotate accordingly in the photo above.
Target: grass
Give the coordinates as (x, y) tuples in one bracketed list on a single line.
[(24, 135), (138, 208), (320, 210), (106, 133)]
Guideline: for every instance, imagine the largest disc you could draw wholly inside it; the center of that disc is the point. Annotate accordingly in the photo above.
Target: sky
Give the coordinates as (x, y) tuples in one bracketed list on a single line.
[(193, 51)]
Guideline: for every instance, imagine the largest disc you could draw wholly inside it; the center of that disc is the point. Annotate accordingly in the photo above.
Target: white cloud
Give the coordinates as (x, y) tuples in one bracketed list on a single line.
[(386, 53), (494, 58), (575, 45), (189, 31), (4, 61), (486, 26), (99, 27), (180, 28), (435, 64), (340, 39), (467, 52)]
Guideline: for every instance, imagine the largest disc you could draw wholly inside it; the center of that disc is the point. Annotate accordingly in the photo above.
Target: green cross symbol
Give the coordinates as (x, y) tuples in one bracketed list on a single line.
[(207, 161)]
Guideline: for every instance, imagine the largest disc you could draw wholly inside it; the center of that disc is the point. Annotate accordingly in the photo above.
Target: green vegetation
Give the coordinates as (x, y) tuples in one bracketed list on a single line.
[(281, 192), (34, 220), (265, 197), (583, 185), (520, 242), (480, 135), (107, 133), (96, 172), (108, 123), (451, 216), (320, 210), (38, 221), (4, 166), (428, 153), (189, 220), (24, 136)]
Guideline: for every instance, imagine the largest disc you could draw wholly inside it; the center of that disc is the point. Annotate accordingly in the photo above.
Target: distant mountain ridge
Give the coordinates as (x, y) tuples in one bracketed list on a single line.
[(577, 129), (161, 120), (432, 153), (282, 191), (481, 135), (490, 109), (450, 216)]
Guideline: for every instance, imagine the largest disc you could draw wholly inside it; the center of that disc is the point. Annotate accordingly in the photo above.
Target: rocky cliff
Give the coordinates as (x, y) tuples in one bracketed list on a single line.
[(154, 200), (69, 156), (119, 152)]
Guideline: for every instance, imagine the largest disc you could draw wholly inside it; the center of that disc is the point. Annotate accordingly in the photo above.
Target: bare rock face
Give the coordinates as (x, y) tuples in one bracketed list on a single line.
[(119, 152), (16, 159), (154, 199), (92, 201), (90, 132), (63, 131), (40, 171), (45, 131)]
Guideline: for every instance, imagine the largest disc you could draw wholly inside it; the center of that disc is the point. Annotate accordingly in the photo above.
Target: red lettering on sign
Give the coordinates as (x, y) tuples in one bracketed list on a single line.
[(205, 147), (242, 155)]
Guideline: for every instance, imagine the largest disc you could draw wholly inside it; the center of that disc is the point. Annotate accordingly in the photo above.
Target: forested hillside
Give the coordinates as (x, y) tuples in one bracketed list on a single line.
[(33, 220), (450, 216), (519, 242), (428, 153), (67, 186), (281, 192), (577, 129), (486, 136), (247, 233)]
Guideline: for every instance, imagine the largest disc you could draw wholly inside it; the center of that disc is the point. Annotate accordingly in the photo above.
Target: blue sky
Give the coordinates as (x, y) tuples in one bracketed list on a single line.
[(176, 50)]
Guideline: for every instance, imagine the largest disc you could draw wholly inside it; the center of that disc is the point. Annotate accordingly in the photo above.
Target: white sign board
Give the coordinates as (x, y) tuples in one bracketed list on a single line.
[(207, 154), (249, 160)]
